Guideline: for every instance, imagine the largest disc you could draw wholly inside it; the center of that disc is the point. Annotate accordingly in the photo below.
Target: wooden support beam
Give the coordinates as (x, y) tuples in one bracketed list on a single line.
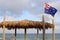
[(15, 33), (53, 33), (37, 34), (43, 20), (3, 35), (25, 34)]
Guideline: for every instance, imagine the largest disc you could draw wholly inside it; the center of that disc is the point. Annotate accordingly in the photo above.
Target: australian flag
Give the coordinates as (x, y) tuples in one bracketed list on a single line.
[(50, 10)]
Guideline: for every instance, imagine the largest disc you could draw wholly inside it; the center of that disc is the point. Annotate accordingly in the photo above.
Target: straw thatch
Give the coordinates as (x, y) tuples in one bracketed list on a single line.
[(25, 24)]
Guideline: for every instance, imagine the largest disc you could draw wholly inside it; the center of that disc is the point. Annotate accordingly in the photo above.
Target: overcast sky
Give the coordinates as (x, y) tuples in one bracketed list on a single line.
[(29, 9)]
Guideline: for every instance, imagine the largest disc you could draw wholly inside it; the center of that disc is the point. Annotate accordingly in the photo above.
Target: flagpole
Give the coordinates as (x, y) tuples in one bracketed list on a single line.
[(43, 21), (3, 29), (53, 33)]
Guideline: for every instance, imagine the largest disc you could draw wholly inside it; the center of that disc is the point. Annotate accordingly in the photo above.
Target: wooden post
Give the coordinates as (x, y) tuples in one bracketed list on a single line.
[(25, 34), (3, 35), (43, 27), (53, 33), (37, 34), (15, 33)]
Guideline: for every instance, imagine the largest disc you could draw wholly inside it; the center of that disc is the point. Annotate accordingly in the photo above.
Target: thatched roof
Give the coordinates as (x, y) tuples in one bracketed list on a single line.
[(25, 24)]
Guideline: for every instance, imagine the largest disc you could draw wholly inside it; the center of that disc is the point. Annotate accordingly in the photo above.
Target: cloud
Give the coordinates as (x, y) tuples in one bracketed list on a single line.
[(15, 7), (57, 28), (10, 18), (57, 22)]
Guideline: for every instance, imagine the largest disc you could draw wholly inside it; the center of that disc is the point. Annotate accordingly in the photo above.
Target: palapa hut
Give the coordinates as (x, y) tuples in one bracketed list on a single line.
[(25, 24)]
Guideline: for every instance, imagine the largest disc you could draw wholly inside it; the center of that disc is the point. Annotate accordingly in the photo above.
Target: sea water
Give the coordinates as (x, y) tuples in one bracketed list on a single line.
[(30, 36)]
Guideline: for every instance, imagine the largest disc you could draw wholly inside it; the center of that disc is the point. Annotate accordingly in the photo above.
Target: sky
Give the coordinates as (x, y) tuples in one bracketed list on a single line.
[(15, 10)]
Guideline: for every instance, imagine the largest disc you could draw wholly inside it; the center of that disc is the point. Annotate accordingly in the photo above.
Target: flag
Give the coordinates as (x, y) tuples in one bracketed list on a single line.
[(50, 10)]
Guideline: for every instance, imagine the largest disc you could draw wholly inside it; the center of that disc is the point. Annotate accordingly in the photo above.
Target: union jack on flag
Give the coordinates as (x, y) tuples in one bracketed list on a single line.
[(50, 10)]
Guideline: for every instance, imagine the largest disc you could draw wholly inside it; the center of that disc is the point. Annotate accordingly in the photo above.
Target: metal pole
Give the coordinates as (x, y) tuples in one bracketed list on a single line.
[(53, 33), (25, 34), (43, 27), (3, 29), (37, 34)]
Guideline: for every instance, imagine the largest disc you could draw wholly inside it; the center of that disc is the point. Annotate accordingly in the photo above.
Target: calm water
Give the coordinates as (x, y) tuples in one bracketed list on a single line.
[(30, 36)]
